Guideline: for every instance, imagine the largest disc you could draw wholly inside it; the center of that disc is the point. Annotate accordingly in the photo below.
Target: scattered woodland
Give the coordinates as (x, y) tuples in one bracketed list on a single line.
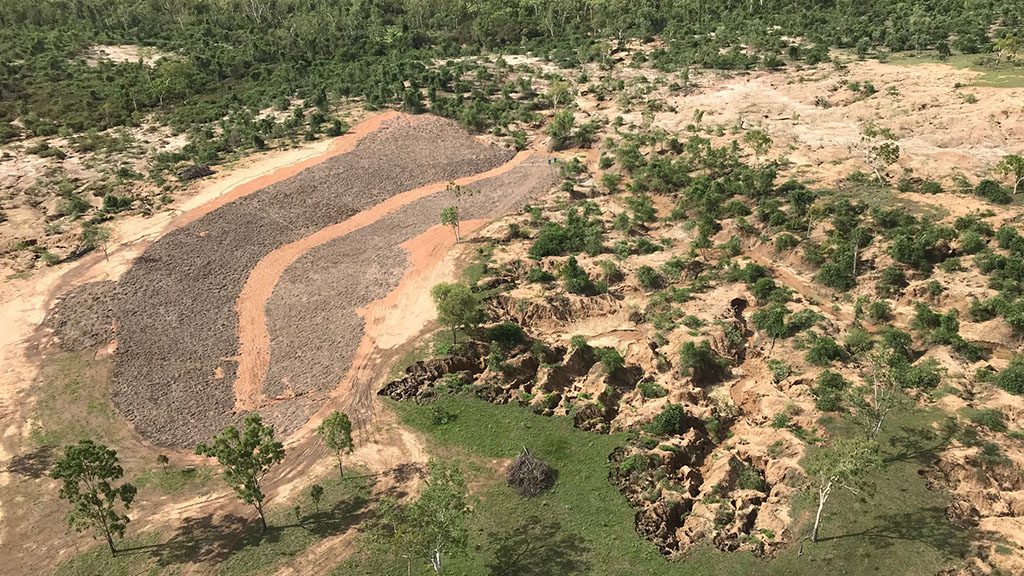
[(768, 318)]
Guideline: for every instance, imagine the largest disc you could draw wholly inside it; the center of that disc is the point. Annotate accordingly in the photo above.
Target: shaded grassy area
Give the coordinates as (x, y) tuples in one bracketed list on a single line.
[(584, 526), (993, 75), (234, 545)]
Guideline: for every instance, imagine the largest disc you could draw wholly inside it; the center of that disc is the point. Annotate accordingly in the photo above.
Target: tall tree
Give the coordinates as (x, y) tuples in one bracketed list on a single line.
[(87, 472), (95, 236), (457, 307), (431, 528), (880, 148), (881, 393), (246, 456), (1012, 165), (336, 433), (560, 129), (451, 215), (841, 466)]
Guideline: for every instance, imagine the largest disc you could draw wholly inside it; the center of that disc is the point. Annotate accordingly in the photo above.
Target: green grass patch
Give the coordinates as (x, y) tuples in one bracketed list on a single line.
[(234, 545), (584, 526), (174, 480), (992, 74), (132, 561), (876, 195), (73, 401)]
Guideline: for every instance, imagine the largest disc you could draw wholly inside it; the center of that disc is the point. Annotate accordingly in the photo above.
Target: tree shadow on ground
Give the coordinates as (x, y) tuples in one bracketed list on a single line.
[(213, 539), (338, 518), (927, 525), (34, 464), (538, 547), (918, 445)]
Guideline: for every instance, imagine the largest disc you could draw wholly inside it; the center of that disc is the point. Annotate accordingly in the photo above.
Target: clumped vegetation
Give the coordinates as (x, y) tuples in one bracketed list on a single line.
[(840, 328)]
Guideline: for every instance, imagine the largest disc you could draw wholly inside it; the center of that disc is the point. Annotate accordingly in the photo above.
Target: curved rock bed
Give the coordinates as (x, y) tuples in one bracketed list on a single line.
[(84, 317), (175, 311), (311, 316)]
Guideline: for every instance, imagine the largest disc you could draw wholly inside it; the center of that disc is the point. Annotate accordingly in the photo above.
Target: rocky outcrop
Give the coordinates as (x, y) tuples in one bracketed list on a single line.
[(418, 381), (557, 308)]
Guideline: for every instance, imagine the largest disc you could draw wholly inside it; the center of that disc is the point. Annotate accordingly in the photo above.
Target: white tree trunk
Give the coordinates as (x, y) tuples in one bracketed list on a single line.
[(823, 494), (435, 561)]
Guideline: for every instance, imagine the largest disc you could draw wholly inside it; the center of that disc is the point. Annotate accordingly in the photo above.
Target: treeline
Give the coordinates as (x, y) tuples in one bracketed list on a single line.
[(228, 54)]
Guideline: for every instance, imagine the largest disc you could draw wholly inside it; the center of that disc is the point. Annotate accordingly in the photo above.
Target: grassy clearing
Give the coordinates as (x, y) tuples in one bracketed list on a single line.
[(173, 480), (73, 402), (875, 195), (584, 526), (992, 75), (234, 545), (132, 561)]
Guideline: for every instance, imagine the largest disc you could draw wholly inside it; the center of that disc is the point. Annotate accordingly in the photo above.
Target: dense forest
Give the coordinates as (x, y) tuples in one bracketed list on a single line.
[(226, 55)]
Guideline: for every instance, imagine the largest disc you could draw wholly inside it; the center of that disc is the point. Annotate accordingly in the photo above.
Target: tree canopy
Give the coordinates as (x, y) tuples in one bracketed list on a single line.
[(246, 455), (87, 472)]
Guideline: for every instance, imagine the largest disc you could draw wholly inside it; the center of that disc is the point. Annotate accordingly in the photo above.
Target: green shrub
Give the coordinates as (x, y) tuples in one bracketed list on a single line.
[(579, 233), (990, 418), (858, 341), (925, 375), (823, 351), (749, 478), (785, 242), (802, 320), (610, 359), (828, 391), (879, 311), (439, 416), (670, 421), (891, 282), (779, 369), (650, 389), (634, 464), (701, 363), (1011, 378), (610, 272), (506, 333), (579, 342), (993, 192), (538, 274), (575, 278), (649, 278)]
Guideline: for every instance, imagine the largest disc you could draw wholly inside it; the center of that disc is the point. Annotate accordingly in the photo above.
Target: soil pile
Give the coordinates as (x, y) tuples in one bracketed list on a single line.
[(177, 326), (84, 317), (311, 315)]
